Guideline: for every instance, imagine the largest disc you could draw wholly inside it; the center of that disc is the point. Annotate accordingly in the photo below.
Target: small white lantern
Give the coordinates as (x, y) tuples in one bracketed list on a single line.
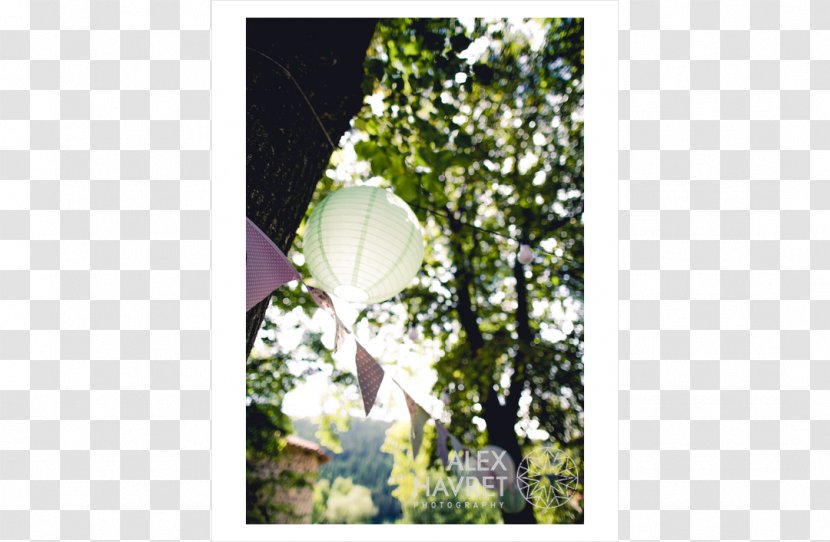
[(525, 255), (363, 244)]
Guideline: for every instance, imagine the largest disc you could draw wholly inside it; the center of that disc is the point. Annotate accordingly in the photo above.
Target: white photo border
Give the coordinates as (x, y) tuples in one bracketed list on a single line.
[(228, 269)]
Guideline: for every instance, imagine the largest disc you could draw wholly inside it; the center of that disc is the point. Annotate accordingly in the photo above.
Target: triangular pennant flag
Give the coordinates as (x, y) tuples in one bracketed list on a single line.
[(369, 377), (441, 443), (419, 418), (340, 333), (460, 454), (324, 301), (456, 444), (266, 267)]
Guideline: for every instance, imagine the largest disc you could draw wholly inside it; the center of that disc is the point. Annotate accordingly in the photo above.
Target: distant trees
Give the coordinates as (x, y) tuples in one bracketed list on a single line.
[(359, 458), (411, 475)]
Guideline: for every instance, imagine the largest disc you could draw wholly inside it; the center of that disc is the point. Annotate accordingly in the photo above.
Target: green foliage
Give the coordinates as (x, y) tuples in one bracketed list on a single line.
[(265, 423), (482, 126), (272, 371), (269, 378), (411, 477), (564, 514), (361, 460), (479, 127), (468, 507), (342, 501), (329, 429)]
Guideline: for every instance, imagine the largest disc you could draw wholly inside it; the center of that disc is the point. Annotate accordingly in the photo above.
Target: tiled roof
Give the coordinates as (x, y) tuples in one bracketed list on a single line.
[(308, 446)]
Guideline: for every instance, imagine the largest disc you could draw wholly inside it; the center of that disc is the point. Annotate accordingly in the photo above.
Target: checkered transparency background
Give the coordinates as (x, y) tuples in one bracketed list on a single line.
[(725, 270), (104, 269)]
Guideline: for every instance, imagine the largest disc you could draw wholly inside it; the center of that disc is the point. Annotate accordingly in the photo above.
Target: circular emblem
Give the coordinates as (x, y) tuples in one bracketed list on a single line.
[(547, 478)]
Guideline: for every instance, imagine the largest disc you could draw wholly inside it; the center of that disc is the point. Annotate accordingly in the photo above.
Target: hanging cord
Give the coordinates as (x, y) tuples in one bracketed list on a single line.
[(461, 222), (300, 89), (430, 210)]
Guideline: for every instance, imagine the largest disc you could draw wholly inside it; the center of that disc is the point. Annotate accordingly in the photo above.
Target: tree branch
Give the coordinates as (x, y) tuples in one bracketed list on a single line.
[(523, 330), (463, 279)]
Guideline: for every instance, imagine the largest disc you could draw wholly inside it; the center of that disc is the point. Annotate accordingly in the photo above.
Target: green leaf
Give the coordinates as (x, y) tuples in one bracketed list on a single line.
[(483, 73), (366, 149), (463, 140), (460, 42), (376, 67), (406, 187), (411, 49)]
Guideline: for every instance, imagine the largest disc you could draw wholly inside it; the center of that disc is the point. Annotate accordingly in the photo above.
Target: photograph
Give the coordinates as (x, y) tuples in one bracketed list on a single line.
[(505, 271), (415, 271)]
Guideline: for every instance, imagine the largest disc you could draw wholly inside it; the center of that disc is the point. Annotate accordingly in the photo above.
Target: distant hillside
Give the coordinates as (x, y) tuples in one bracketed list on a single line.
[(361, 460)]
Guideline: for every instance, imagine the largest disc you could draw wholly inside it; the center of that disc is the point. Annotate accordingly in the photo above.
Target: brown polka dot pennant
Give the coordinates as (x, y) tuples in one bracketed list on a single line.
[(324, 301), (418, 417), (267, 268), (369, 377), (441, 443)]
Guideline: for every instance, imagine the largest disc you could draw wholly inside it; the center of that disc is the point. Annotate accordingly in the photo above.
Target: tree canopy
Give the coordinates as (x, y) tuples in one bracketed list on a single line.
[(480, 127)]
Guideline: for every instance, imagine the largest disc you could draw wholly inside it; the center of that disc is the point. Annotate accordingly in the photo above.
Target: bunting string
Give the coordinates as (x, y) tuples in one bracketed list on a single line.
[(267, 268)]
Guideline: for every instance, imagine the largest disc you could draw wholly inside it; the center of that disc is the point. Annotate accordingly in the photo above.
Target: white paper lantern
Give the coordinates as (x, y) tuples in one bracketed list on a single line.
[(525, 255), (363, 244)]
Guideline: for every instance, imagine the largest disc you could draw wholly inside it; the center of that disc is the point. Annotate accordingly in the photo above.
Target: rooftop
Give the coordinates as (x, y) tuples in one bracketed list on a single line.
[(308, 446)]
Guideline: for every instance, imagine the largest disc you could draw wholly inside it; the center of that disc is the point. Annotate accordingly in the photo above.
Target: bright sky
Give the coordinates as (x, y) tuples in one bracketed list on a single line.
[(408, 362)]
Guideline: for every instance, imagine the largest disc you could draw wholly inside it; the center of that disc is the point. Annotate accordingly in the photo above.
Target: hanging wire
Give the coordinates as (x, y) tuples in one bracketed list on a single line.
[(300, 89), (430, 210)]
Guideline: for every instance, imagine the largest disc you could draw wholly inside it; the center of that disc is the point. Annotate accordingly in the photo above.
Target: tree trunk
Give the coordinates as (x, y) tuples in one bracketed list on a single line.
[(500, 419), (501, 432), (287, 150), (505, 417)]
